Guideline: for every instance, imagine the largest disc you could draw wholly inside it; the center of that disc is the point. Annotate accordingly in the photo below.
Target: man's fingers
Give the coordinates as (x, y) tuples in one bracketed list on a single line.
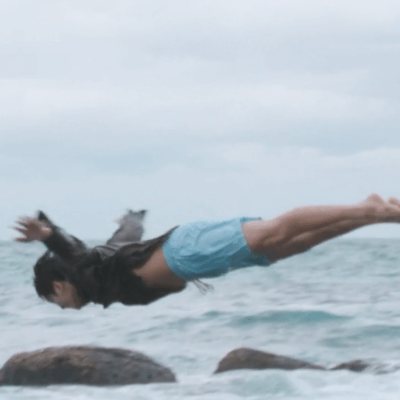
[(29, 224), (24, 218), (24, 223), (17, 228), (31, 229), (21, 239)]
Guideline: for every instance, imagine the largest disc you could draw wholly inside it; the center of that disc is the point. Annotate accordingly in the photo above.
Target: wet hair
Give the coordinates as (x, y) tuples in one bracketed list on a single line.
[(48, 268), (79, 273), (102, 280)]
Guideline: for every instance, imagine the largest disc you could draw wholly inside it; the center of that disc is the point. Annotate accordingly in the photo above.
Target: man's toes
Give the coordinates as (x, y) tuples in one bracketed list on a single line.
[(394, 202)]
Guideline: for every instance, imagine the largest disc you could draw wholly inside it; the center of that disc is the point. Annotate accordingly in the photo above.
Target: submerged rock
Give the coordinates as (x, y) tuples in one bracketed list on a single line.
[(355, 366), (245, 358), (82, 365)]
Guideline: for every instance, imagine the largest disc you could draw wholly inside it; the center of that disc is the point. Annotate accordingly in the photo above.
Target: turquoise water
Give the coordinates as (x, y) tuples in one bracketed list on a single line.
[(337, 302)]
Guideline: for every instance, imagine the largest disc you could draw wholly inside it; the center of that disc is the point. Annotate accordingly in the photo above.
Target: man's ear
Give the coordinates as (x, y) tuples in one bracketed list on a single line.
[(58, 287)]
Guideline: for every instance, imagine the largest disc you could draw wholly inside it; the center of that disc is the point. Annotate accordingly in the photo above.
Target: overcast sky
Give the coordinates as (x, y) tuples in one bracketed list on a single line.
[(195, 109)]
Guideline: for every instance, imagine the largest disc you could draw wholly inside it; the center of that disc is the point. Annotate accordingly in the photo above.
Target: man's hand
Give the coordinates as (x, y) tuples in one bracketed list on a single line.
[(31, 229)]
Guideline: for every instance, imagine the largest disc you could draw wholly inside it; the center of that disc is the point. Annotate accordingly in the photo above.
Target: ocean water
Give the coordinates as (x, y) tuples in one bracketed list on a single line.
[(335, 303)]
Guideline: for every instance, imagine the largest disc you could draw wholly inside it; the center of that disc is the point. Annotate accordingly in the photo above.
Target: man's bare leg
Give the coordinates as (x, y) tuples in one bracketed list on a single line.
[(304, 227), (306, 241)]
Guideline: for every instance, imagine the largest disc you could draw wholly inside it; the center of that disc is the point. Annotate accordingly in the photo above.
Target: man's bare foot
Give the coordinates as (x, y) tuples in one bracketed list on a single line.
[(383, 211), (394, 202)]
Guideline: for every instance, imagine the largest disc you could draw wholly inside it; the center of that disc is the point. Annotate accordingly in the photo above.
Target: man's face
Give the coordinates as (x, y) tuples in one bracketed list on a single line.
[(65, 295)]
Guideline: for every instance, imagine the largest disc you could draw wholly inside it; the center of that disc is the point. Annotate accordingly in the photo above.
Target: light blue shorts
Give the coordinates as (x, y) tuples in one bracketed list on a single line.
[(207, 249)]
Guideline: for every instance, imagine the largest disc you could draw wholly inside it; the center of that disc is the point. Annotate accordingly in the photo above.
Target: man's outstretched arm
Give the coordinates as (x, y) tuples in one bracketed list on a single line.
[(130, 229), (56, 239)]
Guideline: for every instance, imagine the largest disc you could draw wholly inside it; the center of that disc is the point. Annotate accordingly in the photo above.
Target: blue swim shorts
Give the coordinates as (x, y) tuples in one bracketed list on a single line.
[(207, 249)]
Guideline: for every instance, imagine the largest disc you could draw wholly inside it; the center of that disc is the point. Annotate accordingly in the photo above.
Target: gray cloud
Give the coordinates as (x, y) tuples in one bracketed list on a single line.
[(96, 94)]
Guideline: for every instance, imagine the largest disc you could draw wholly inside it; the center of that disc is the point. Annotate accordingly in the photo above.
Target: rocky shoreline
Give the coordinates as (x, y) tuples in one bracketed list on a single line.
[(91, 365)]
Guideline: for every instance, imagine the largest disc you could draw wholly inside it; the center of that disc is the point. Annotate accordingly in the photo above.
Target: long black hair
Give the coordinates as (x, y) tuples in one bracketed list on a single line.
[(95, 279), (49, 268), (82, 273)]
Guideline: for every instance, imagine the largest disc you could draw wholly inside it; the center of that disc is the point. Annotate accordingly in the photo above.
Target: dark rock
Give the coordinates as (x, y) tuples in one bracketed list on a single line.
[(355, 366), (82, 365), (245, 358)]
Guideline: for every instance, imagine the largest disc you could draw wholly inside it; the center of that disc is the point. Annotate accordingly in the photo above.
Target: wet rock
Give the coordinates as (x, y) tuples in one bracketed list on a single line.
[(82, 365), (355, 366), (245, 358)]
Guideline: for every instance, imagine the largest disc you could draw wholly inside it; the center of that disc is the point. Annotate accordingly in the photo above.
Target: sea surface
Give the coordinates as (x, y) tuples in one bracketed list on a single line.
[(335, 303)]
